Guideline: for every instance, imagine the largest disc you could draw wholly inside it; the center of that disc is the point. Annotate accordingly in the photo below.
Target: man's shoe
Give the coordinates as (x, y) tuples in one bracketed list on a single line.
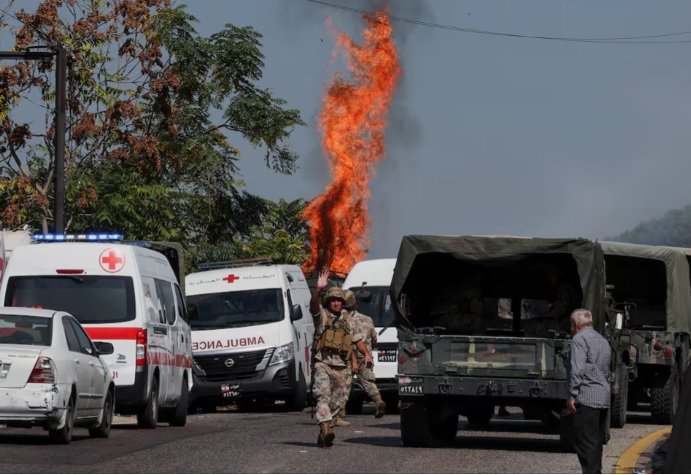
[(340, 422), (379, 408), (326, 437)]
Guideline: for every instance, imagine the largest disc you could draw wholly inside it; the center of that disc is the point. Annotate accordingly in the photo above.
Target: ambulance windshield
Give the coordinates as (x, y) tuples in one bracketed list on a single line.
[(235, 309), (375, 303), (89, 298)]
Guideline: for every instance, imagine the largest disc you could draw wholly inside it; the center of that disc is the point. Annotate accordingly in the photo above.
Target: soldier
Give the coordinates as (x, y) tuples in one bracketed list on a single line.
[(334, 348), (364, 327)]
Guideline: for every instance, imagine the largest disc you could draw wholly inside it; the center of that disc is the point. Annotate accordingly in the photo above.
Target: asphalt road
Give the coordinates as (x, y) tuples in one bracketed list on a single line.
[(284, 442)]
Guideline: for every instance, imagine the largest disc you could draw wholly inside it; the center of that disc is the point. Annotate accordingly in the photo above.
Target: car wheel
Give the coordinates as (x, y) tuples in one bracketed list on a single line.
[(148, 416), (64, 435), (103, 428), (179, 416)]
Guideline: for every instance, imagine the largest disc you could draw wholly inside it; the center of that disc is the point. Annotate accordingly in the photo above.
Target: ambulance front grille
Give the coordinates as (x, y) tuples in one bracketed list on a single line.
[(232, 366)]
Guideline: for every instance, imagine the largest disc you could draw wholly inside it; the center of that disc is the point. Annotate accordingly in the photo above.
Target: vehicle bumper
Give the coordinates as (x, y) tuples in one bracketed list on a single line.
[(133, 396), (496, 389), (34, 404), (275, 382)]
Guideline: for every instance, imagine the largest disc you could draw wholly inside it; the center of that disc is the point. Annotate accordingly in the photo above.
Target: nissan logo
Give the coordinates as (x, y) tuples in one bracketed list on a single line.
[(229, 363)]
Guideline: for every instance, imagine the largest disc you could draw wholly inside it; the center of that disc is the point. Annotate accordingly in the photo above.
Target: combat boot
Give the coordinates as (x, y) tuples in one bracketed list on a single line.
[(326, 437), (379, 407), (339, 422)]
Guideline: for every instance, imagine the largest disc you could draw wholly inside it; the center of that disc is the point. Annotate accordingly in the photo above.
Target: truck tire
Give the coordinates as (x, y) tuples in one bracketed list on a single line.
[(426, 425), (665, 400), (620, 399), (480, 416), (147, 417)]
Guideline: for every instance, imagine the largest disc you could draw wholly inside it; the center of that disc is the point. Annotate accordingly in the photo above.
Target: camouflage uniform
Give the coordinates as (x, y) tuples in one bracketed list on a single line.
[(331, 370), (364, 328)]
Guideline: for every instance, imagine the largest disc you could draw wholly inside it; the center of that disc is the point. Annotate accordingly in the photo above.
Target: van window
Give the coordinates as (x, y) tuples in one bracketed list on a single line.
[(375, 302), (89, 298), (239, 308), (166, 299), (180, 302)]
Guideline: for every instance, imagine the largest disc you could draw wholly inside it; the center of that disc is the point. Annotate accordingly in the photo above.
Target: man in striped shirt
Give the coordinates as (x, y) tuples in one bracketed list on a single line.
[(589, 386)]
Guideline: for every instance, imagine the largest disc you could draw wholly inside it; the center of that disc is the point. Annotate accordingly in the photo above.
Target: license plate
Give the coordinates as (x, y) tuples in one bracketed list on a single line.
[(230, 390), (387, 356), (410, 386)]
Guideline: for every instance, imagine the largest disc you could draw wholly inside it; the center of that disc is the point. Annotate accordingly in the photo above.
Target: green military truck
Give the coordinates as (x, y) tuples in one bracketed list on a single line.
[(483, 322), (648, 288)]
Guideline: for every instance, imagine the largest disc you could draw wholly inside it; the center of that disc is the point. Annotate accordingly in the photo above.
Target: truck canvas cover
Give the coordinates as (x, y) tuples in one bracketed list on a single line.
[(677, 275), (422, 259)]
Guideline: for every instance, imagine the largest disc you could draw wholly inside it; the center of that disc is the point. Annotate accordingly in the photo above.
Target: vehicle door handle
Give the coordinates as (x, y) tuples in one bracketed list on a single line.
[(76, 361), (182, 338), (91, 363)]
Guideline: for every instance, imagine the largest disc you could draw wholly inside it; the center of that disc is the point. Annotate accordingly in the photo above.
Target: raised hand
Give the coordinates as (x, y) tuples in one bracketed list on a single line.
[(323, 279)]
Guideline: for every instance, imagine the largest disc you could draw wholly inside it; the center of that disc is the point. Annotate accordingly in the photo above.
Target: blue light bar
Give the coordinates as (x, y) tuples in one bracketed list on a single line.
[(91, 237)]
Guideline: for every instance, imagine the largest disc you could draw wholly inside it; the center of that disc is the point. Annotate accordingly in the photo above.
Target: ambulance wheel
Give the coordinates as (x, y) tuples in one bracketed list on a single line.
[(299, 399), (354, 405), (178, 416), (147, 417)]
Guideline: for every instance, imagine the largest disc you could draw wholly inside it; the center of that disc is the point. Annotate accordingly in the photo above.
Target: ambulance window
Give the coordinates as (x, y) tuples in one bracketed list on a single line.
[(88, 298), (165, 296), (180, 302)]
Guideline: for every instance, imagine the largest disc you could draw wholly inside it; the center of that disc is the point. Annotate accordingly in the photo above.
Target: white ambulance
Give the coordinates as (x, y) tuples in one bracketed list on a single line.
[(252, 334), (125, 294), (370, 281)]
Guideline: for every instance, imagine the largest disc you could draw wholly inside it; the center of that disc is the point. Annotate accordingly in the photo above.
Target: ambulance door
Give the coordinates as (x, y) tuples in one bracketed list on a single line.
[(183, 349), (300, 337), (163, 352)]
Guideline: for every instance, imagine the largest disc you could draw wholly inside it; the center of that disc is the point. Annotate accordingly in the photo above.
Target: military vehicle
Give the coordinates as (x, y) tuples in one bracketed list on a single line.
[(649, 288), (484, 322)]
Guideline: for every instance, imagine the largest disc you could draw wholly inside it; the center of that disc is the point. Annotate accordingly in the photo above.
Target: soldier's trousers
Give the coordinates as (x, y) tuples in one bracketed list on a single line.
[(367, 380), (330, 389)]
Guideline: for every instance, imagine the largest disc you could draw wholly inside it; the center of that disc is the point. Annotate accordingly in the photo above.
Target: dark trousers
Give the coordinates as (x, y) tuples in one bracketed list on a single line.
[(589, 426)]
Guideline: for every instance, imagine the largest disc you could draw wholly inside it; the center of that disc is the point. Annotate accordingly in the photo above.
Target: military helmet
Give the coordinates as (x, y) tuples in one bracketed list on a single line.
[(334, 293), (350, 302)]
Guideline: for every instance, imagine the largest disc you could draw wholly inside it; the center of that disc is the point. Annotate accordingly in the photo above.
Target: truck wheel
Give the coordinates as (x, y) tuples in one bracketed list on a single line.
[(148, 416), (427, 425), (480, 416), (665, 400), (178, 417), (620, 399)]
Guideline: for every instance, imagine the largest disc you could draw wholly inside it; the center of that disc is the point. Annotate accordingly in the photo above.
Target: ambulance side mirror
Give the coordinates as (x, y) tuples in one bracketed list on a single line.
[(295, 312)]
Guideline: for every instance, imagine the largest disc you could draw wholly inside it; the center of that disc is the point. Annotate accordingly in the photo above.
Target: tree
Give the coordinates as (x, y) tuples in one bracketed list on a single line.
[(281, 234), (153, 110), (672, 229)]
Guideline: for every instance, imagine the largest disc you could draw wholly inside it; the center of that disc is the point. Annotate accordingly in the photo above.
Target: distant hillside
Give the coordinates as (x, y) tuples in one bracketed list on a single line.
[(673, 229)]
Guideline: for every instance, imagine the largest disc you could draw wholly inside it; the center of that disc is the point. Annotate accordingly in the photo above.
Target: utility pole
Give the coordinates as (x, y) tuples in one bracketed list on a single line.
[(57, 52)]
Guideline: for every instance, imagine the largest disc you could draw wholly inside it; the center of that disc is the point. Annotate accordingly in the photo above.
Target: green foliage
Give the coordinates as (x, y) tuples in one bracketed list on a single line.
[(152, 108), (673, 229)]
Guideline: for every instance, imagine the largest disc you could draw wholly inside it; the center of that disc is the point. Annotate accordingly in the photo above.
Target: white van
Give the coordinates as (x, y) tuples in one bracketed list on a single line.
[(124, 294), (370, 281), (252, 334)]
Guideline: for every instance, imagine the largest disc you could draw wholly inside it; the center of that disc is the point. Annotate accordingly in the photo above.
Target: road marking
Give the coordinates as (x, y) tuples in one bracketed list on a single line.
[(629, 458)]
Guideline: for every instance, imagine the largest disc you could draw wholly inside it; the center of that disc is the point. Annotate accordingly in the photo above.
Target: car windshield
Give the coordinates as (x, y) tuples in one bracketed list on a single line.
[(90, 298), (375, 302), (26, 330), (238, 308)]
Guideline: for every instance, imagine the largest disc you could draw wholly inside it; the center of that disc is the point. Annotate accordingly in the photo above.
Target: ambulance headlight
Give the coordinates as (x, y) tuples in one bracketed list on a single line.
[(282, 354)]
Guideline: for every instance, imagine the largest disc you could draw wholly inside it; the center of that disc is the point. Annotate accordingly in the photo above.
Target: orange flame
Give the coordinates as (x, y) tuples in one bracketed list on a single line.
[(352, 122)]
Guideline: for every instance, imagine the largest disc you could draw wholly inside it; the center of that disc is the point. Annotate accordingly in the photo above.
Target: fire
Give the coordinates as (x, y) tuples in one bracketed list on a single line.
[(352, 122)]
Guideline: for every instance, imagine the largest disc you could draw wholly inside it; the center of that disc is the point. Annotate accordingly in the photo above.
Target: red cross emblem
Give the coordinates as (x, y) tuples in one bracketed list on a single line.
[(111, 260), (231, 278)]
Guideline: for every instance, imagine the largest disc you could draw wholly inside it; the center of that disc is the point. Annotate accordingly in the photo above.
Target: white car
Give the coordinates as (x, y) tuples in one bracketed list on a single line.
[(51, 374)]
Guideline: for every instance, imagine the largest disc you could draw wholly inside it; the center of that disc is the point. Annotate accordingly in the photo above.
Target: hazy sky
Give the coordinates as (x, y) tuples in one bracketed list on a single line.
[(493, 134)]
